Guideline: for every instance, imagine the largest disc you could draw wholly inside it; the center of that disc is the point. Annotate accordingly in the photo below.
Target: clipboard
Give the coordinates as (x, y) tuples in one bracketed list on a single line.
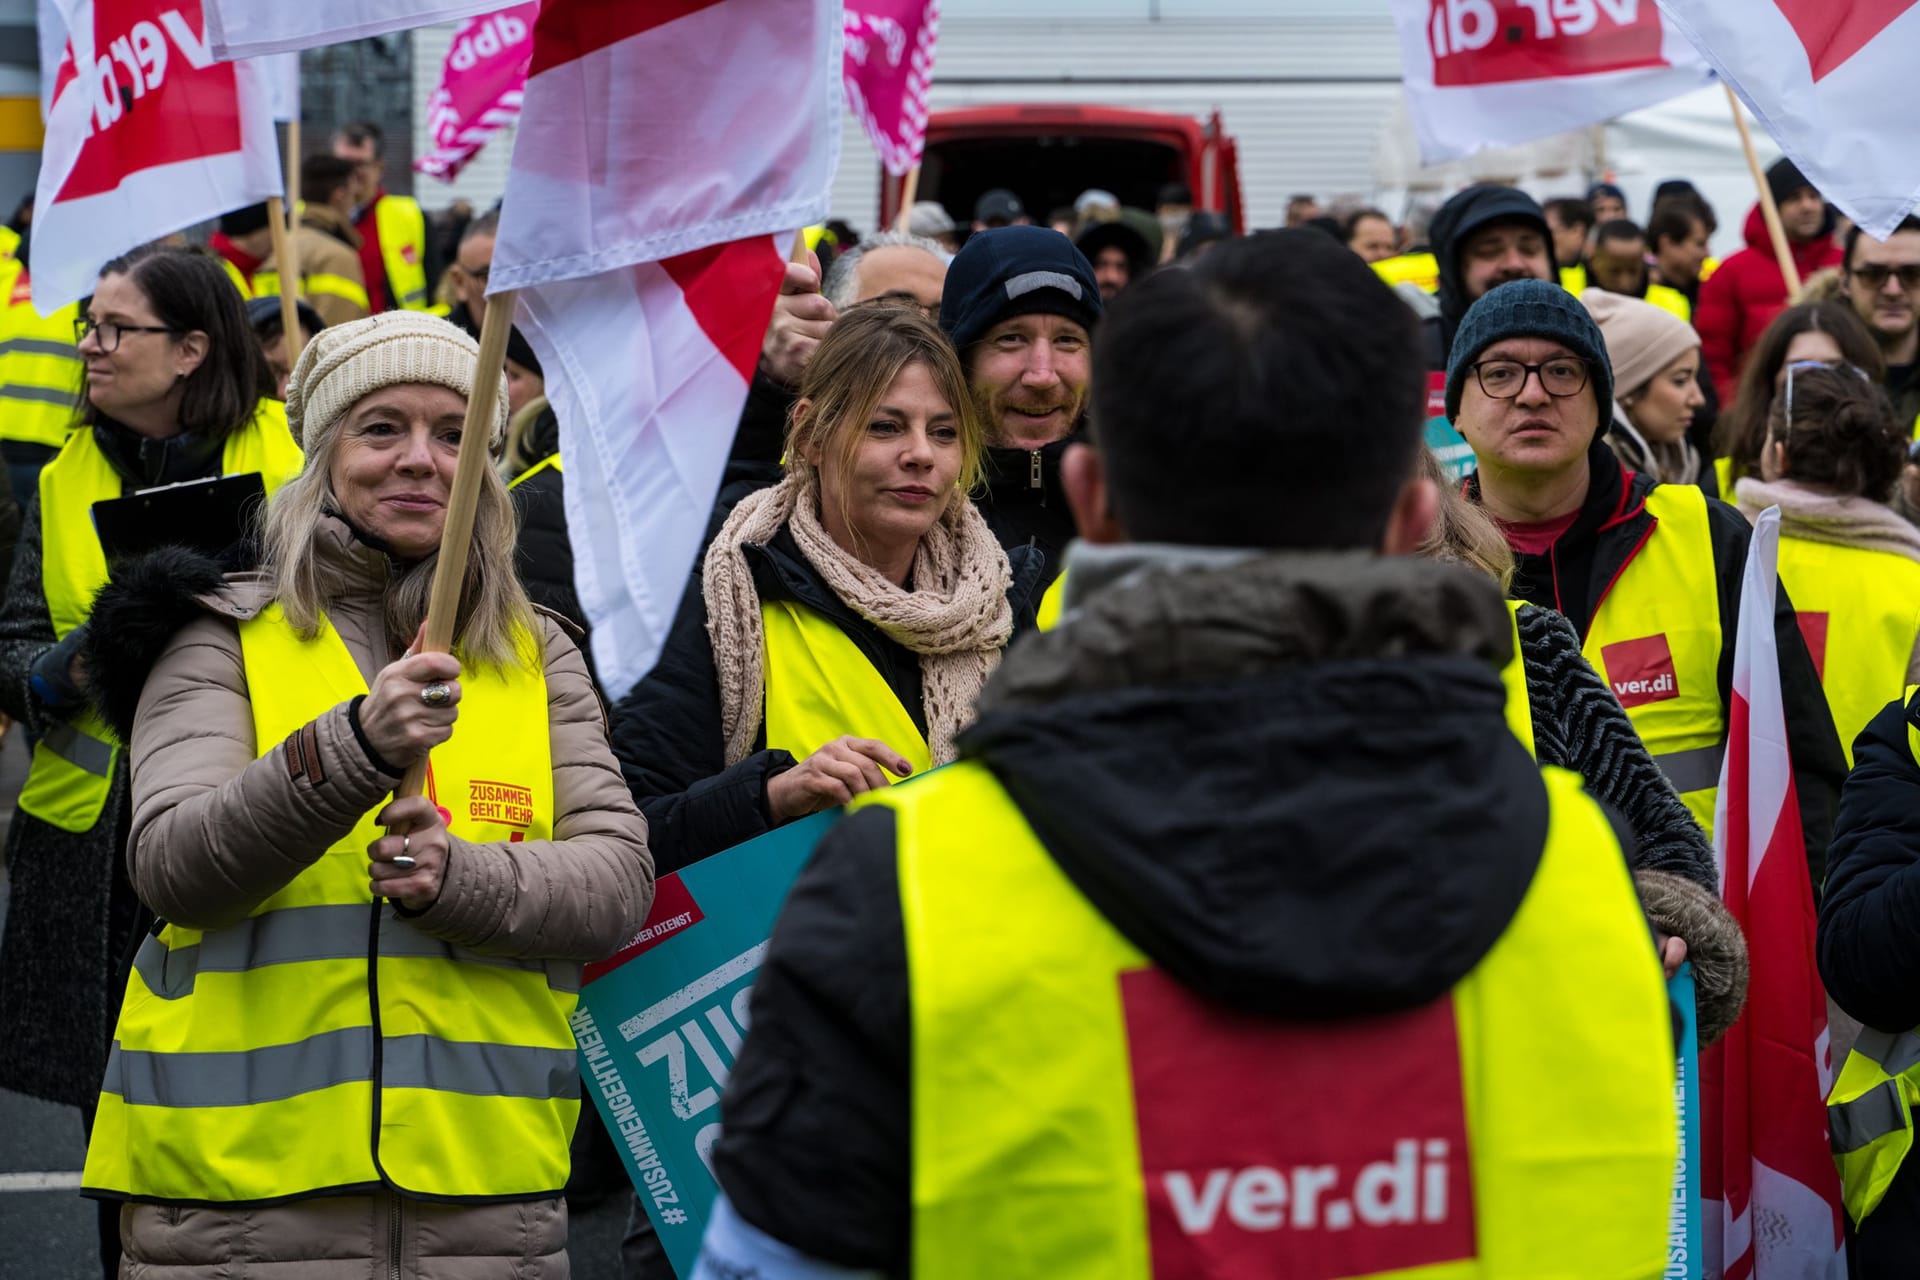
[(209, 516)]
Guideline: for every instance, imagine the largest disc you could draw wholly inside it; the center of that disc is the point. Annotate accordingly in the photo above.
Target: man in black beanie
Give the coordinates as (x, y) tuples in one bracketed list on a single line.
[(1740, 300), (1020, 305), (1648, 574)]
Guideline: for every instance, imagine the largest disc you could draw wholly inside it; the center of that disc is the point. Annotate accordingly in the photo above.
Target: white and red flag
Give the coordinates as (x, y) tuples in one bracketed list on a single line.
[(668, 150), (1491, 73), (147, 134), (249, 28), (889, 72), (1820, 75), (480, 89), (1771, 1196)]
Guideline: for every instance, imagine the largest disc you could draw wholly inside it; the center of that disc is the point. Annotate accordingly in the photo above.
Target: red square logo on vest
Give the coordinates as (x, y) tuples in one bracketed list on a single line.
[(1641, 671), (1291, 1152)]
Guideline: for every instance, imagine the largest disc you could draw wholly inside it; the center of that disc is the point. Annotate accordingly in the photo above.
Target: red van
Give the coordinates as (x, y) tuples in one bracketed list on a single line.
[(1048, 153)]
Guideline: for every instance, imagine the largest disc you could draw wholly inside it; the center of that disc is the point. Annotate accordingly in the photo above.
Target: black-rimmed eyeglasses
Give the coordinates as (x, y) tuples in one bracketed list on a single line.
[(107, 332), (1504, 379)]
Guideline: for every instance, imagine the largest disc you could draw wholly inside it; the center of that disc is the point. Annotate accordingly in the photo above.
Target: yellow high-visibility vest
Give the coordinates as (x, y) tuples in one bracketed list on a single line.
[(326, 1044), (549, 463), (1859, 611), (238, 277), (40, 366), (402, 229), (1077, 1113), (1514, 677), (1422, 270), (1870, 1111), (313, 284), (1574, 279), (1655, 638), (73, 762), (819, 687), (1671, 300)]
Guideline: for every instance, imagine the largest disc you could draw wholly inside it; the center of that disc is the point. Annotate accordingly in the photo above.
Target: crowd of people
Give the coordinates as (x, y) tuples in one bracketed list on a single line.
[(1311, 819)]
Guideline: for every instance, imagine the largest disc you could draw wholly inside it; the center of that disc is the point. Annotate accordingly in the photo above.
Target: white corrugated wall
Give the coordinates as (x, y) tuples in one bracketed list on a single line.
[(1305, 86)]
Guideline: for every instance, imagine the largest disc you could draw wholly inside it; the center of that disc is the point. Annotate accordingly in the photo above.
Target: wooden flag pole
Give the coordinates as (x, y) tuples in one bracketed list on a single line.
[(293, 166), (798, 254), (1768, 209), (456, 538), (909, 189), (284, 258)]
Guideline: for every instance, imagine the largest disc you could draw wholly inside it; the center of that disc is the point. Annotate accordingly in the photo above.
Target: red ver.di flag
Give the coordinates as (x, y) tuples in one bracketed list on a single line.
[(148, 134), (668, 150), (1821, 76), (480, 88), (1491, 73), (889, 71)]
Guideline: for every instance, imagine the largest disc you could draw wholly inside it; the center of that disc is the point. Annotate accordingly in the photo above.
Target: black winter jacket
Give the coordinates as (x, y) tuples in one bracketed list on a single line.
[(1329, 820), (666, 731), (1869, 944), (1026, 506), (1576, 573)]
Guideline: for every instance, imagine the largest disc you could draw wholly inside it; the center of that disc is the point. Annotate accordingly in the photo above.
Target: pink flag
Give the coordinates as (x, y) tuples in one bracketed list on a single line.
[(480, 88), (1490, 73), (889, 71), (1820, 74), (1767, 1167), (147, 134), (668, 151)]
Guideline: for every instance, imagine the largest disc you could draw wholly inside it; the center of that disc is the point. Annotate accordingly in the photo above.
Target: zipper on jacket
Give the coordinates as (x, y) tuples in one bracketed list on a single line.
[(1033, 471), (373, 1009), (393, 1241)]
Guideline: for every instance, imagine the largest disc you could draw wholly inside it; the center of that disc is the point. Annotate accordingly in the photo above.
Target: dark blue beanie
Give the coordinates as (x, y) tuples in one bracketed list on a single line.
[(1529, 309), (1015, 271)]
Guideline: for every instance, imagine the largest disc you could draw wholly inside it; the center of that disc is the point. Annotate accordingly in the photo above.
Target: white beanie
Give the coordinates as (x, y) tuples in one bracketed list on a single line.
[(1642, 339), (345, 362)]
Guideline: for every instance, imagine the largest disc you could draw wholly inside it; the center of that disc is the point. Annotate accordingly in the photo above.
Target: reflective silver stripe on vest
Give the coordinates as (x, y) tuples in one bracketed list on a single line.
[(1895, 1054), (1695, 770), (243, 1077), (81, 750), (1869, 1117), (41, 347), (251, 1076), (295, 934), (42, 395), (487, 1070)]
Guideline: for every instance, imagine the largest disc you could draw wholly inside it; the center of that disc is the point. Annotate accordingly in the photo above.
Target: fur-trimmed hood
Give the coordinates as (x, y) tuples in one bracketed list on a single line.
[(138, 613)]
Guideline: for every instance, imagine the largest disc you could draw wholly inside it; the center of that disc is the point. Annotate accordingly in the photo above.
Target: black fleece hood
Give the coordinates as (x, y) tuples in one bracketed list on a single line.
[(1296, 793), (1457, 220)]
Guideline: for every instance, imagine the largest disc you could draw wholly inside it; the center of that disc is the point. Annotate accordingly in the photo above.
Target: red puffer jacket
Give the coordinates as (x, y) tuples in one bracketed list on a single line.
[(1741, 299)]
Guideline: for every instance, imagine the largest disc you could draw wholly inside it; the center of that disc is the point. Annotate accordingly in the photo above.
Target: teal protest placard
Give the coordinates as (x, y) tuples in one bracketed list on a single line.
[(661, 1023), (1683, 1219), (1448, 445)]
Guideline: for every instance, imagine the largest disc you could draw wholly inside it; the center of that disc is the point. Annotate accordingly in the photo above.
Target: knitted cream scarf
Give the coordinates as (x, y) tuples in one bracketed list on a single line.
[(1842, 520), (956, 618)]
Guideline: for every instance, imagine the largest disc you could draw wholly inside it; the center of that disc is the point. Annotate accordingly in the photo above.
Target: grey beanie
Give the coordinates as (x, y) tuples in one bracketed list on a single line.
[(1530, 309)]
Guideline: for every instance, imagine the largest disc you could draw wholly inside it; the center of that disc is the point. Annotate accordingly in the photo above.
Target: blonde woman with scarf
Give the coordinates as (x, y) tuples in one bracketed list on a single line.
[(843, 621), (1832, 455)]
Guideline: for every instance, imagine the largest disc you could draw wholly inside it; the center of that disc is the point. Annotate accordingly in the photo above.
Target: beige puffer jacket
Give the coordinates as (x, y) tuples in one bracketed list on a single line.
[(217, 831)]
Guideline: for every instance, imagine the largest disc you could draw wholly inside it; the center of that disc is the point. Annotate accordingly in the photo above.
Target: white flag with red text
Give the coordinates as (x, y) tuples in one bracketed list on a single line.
[(1491, 73), (889, 73), (481, 86), (249, 28), (1770, 1193), (1822, 76), (147, 134), (668, 150)]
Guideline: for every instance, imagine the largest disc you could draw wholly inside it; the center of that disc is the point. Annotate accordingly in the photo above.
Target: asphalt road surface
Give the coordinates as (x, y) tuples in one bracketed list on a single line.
[(48, 1232)]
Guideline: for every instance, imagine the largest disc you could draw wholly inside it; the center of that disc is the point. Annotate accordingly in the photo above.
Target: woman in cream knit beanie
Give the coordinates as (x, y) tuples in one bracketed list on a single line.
[(1656, 378)]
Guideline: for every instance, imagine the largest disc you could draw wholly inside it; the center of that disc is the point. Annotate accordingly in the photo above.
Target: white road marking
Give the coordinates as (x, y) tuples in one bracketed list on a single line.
[(60, 1181)]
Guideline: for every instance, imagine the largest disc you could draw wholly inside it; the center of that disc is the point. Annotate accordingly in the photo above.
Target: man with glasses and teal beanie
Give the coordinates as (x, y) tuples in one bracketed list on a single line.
[(1649, 574)]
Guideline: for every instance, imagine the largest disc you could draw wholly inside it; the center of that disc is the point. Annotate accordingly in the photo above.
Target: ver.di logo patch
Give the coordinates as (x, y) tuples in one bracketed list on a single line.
[(1640, 671)]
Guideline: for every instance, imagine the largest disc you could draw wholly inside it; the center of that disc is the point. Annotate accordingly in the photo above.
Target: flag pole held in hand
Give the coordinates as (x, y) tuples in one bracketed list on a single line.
[(456, 538), (1768, 209), (283, 257)]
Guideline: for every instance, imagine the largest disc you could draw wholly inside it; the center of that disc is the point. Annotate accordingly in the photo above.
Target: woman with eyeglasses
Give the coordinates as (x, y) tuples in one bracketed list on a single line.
[(1828, 332), (1832, 453), (1656, 378), (176, 390)]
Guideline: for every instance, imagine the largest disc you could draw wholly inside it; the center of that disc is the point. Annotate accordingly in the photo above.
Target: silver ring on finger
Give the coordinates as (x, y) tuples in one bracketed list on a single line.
[(404, 859), (437, 694)]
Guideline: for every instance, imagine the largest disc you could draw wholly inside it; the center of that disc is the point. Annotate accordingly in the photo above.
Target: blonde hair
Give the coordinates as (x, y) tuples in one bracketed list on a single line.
[(517, 459), (1462, 533), (850, 373), (496, 626)]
